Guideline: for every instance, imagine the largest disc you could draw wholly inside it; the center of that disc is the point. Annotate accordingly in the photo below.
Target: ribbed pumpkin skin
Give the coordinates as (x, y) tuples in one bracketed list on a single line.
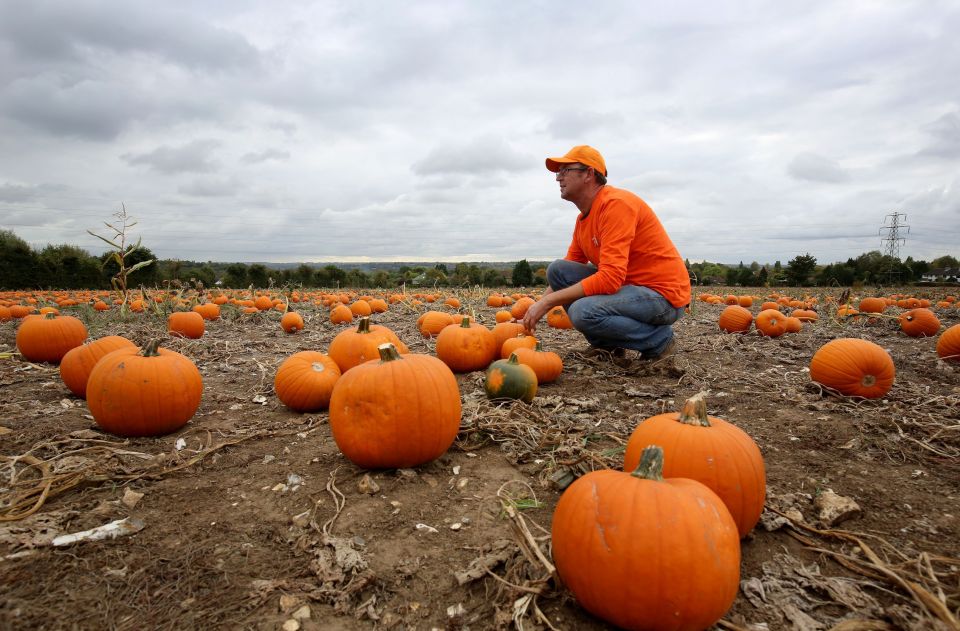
[(722, 456), (355, 346), (466, 348), (771, 323), (919, 323), (395, 414), (873, 305), (291, 322), (546, 365), (853, 367), (509, 379), (304, 381), (47, 338), (515, 343), (187, 324), (432, 322), (558, 318), (132, 395), (76, 365), (735, 319), (503, 331), (948, 345), (645, 554)]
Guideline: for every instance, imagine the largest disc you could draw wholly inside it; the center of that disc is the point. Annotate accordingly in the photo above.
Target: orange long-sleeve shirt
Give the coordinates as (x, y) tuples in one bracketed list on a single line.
[(623, 237)]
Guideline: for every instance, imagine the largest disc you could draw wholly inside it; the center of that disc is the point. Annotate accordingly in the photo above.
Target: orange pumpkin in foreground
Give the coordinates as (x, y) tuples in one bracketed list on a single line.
[(709, 450), (467, 346), (78, 363), (853, 367), (148, 393), (919, 323), (355, 346), (187, 324), (396, 412), (646, 552)]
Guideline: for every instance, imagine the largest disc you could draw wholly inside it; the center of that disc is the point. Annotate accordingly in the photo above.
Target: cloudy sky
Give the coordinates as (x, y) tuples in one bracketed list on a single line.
[(247, 130)]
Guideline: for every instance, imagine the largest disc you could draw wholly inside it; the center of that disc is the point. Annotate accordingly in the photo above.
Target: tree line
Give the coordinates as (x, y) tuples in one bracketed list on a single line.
[(70, 267)]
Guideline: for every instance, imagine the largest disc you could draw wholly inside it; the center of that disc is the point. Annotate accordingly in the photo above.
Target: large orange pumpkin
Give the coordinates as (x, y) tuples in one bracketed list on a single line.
[(354, 346), (853, 367), (646, 552), (771, 323), (395, 412), (709, 450), (143, 394), (466, 347), (47, 338), (304, 381), (948, 345), (76, 365), (546, 365)]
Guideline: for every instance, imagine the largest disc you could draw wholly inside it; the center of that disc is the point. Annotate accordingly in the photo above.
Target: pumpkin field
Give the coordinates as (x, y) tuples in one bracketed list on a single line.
[(354, 459)]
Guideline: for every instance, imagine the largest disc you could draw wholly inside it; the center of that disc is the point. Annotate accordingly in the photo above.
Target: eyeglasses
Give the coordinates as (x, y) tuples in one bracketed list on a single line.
[(568, 169)]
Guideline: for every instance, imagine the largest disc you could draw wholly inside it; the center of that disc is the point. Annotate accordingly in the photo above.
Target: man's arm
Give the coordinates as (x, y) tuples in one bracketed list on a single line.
[(548, 301)]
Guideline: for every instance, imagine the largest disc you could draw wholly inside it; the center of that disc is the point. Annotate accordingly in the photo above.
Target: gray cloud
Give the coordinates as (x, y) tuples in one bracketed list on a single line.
[(946, 137), (193, 157), (485, 154), (257, 157), (816, 168)]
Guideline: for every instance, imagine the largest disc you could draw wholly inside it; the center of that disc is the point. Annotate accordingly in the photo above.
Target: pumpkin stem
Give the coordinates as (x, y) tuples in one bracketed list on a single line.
[(651, 464), (538, 347), (388, 352), (694, 411), (513, 358), (364, 326), (151, 349), (465, 323)]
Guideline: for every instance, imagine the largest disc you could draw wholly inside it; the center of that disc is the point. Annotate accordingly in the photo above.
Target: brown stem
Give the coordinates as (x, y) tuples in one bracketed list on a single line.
[(651, 464), (694, 411), (364, 326), (388, 352), (151, 349)]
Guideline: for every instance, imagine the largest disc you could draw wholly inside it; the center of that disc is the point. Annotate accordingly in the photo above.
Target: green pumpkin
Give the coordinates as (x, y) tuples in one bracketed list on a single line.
[(509, 379)]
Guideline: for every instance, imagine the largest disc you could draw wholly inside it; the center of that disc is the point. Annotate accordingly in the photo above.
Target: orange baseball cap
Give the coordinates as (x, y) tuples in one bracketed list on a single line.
[(584, 154)]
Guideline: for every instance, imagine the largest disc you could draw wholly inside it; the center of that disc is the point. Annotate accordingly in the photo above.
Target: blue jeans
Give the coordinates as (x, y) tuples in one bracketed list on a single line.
[(635, 317)]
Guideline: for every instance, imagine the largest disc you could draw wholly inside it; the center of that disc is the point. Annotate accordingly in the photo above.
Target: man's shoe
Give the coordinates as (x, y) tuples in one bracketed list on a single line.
[(668, 350)]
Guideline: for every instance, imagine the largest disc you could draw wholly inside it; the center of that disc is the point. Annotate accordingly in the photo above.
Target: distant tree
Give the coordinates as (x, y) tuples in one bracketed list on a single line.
[(540, 276), (442, 267), (337, 277), (746, 277), (732, 275), (493, 278), (476, 274), (436, 276), (257, 276), (204, 274), (69, 267), (357, 278), (800, 268), (236, 276), (304, 275), (522, 274), (381, 278), (763, 279), (942, 262)]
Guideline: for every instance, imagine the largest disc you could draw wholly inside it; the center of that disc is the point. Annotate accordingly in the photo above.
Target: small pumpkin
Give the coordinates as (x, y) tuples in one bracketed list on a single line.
[(515, 343), (735, 319), (948, 345), (558, 318), (509, 379), (547, 365), (148, 393), (304, 381), (187, 324), (771, 323), (872, 305), (47, 338), (709, 450), (341, 314), (646, 552), (853, 367), (430, 323), (76, 365), (919, 322), (519, 308), (503, 331), (291, 322), (793, 324), (401, 411), (466, 347), (355, 346)]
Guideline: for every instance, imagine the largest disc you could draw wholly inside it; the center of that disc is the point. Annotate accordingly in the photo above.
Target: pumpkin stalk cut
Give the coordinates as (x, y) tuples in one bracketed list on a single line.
[(651, 464), (694, 411)]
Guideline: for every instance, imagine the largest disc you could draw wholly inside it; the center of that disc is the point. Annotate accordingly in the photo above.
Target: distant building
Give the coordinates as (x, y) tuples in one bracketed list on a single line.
[(943, 275)]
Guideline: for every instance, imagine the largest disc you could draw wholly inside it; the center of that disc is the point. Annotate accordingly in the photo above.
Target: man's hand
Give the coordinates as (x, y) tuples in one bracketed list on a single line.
[(550, 300), (534, 313)]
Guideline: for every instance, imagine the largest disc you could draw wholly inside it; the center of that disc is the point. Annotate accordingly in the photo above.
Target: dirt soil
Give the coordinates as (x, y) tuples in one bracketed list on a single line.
[(250, 518)]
